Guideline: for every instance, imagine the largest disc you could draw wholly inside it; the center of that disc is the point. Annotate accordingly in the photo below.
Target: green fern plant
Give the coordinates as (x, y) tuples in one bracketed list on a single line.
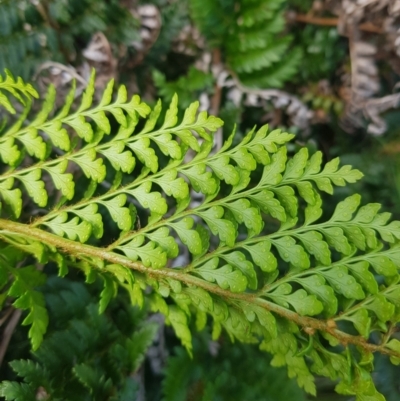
[(250, 35), (321, 295), (99, 355), (34, 32)]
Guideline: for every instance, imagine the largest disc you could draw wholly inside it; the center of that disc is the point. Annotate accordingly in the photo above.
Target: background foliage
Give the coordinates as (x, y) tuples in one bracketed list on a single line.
[(325, 70)]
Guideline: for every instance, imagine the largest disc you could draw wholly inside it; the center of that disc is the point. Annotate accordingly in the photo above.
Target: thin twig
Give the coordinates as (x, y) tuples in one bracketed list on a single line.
[(8, 332), (216, 99), (309, 19), (41, 9), (6, 315)]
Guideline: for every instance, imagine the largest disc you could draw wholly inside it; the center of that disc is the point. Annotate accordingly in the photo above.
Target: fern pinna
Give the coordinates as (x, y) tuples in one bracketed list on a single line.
[(265, 267)]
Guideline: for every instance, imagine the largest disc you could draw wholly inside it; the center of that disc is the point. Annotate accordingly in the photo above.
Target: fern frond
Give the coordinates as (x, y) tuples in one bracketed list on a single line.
[(177, 376), (262, 266), (228, 374), (13, 391), (33, 374), (24, 281), (32, 33), (250, 35), (98, 355)]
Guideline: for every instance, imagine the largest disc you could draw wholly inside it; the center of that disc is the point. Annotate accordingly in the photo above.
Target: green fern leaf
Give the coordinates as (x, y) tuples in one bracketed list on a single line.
[(178, 320), (71, 229), (188, 236), (109, 292), (13, 391), (224, 276), (262, 257), (63, 182), (26, 279), (120, 214)]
